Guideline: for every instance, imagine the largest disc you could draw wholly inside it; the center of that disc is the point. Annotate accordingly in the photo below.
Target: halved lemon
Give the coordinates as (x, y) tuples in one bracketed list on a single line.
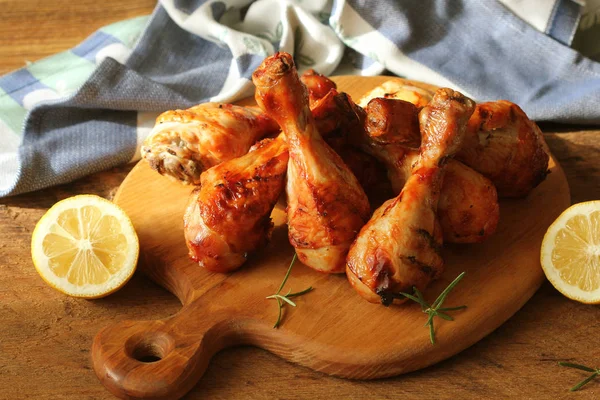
[(85, 246), (570, 254)]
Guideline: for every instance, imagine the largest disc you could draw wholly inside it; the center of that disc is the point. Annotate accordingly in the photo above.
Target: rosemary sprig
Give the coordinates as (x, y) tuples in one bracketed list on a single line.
[(435, 309), (282, 300), (595, 372)]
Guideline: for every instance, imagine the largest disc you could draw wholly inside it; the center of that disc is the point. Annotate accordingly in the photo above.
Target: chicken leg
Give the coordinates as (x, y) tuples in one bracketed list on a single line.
[(228, 217), (503, 144), (468, 209), (400, 245), (185, 143), (326, 205)]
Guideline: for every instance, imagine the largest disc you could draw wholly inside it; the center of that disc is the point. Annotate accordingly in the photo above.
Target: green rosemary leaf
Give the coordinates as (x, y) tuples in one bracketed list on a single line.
[(435, 309), (451, 308), (278, 316), (596, 372), (429, 319), (291, 303), (287, 275), (413, 298), (282, 300), (440, 300), (299, 293), (431, 333), (422, 301), (576, 366), (583, 382), (444, 316), (419, 294)]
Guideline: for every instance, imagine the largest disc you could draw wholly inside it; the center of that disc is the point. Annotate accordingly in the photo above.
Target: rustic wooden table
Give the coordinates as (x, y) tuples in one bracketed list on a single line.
[(45, 337)]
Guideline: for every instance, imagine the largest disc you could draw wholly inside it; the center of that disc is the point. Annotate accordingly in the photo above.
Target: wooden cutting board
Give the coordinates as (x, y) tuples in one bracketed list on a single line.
[(332, 329)]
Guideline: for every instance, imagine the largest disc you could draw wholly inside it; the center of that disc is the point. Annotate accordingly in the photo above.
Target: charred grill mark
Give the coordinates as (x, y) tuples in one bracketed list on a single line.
[(512, 114), (299, 243), (483, 118), (483, 113), (387, 298), (424, 268), (382, 281), (430, 240)]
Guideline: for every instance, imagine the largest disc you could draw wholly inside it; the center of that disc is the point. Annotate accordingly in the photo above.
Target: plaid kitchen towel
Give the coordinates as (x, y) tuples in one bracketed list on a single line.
[(89, 108)]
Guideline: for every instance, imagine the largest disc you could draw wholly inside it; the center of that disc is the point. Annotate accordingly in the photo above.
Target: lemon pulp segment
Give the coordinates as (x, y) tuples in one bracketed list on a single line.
[(570, 253), (85, 246)]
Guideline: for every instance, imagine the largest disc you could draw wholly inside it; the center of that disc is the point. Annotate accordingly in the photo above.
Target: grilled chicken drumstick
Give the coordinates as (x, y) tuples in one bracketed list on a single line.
[(503, 144), (228, 217), (400, 245), (221, 245), (468, 209), (326, 205), (185, 143)]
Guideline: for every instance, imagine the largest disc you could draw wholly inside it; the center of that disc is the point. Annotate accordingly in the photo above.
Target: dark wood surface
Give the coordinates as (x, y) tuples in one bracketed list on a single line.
[(45, 337)]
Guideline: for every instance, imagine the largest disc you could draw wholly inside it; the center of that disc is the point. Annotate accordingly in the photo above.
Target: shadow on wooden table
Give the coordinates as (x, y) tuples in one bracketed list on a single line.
[(579, 155), (103, 184)]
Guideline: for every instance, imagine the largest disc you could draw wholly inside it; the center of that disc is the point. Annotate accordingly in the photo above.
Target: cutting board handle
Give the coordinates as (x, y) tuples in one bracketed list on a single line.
[(155, 359)]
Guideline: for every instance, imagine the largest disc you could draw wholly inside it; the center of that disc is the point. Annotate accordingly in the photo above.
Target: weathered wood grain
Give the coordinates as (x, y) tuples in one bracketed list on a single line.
[(45, 337), (33, 29)]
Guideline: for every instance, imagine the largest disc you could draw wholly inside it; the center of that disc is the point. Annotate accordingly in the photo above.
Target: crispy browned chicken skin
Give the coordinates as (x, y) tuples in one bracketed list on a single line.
[(338, 120), (503, 144), (185, 143), (228, 217), (393, 121), (318, 85), (221, 244), (468, 209), (326, 205), (400, 245)]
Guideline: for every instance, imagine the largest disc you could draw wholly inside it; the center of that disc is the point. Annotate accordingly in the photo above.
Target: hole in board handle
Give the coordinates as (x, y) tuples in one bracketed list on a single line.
[(149, 347), (147, 353)]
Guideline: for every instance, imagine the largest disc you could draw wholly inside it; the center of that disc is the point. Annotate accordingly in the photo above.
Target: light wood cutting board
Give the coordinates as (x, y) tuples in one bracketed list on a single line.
[(332, 329)]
